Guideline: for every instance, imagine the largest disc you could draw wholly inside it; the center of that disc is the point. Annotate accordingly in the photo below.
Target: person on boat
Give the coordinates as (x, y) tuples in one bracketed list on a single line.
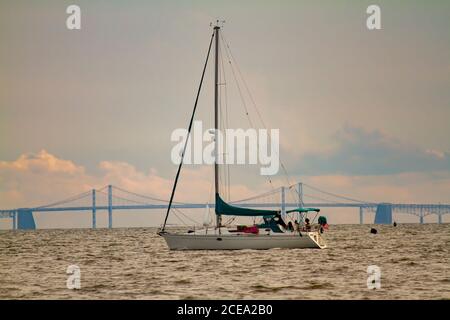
[(290, 226), (307, 225), (297, 225), (278, 220)]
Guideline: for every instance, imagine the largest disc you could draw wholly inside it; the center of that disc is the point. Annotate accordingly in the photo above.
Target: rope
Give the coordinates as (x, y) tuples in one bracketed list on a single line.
[(187, 137), (184, 215), (254, 105), (229, 56)]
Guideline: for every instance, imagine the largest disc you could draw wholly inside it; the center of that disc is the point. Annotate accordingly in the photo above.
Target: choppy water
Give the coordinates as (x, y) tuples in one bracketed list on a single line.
[(135, 264)]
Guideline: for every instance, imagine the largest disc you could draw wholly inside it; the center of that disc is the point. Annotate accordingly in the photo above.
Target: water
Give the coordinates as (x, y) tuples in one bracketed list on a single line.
[(136, 264)]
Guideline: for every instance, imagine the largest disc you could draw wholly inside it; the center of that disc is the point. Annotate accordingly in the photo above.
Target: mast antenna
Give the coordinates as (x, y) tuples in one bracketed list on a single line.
[(218, 23)]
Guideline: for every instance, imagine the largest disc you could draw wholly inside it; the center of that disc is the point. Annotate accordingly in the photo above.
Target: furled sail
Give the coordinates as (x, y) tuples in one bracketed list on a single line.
[(303, 210), (223, 208)]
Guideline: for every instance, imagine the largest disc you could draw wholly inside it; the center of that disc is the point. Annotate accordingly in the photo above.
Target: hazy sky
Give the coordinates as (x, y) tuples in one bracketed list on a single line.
[(361, 113)]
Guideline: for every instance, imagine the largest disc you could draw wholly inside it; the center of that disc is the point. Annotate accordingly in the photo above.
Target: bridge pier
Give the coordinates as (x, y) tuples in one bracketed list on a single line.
[(25, 220), (361, 215), (94, 211), (383, 214), (283, 202), (110, 222)]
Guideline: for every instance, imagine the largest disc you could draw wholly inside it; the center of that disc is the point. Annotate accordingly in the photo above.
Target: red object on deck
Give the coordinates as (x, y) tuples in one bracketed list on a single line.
[(252, 229)]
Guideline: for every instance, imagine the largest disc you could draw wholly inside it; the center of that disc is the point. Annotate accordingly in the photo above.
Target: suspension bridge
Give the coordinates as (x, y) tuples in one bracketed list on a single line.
[(111, 198)]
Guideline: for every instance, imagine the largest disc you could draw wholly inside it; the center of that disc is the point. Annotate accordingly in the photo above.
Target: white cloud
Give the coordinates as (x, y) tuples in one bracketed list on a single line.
[(41, 178)]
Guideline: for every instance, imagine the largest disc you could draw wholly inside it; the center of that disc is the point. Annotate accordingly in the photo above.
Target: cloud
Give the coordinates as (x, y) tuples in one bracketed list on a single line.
[(362, 152), (42, 178), (407, 187), (33, 178)]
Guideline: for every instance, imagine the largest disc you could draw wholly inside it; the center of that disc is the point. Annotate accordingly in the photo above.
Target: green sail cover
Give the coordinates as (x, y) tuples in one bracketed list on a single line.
[(303, 210), (223, 208)]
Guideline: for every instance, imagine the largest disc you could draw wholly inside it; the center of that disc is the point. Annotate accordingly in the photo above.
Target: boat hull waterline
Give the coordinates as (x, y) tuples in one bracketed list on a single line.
[(186, 241)]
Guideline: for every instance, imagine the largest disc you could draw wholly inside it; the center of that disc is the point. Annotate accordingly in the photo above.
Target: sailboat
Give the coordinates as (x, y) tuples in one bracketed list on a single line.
[(272, 233)]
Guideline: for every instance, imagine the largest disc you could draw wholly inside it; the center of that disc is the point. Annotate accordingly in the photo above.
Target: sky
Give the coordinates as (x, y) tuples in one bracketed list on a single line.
[(361, 113)]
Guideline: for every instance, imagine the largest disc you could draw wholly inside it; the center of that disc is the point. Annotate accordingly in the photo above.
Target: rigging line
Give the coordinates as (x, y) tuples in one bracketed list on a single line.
[(291, 196), (295, 195), (179, 218), (230, 221), (333, 194), (186, 216), (238, 87), (228, 53), (188, 134), (254, 104), (294, 186), (243, 81)]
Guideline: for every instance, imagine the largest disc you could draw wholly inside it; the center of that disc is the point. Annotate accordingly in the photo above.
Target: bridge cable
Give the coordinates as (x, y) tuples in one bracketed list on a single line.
[(334, 195), (67, 200), (145, 197)]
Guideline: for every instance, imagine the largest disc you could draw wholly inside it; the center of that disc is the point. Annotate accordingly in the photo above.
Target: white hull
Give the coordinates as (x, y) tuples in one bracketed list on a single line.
[(230, 241)]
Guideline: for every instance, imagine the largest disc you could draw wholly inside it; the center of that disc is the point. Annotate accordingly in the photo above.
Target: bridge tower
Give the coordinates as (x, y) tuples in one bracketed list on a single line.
[(14, 216), (110, 207), (383, 214), (361, 215), (94, 211)]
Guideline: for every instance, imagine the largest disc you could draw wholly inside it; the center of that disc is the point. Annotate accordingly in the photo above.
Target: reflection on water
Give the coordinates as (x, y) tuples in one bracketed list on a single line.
[(136, 264)]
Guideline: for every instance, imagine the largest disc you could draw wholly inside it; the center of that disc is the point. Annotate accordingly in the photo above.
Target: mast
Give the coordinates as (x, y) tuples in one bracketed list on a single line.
[(216, 121)]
